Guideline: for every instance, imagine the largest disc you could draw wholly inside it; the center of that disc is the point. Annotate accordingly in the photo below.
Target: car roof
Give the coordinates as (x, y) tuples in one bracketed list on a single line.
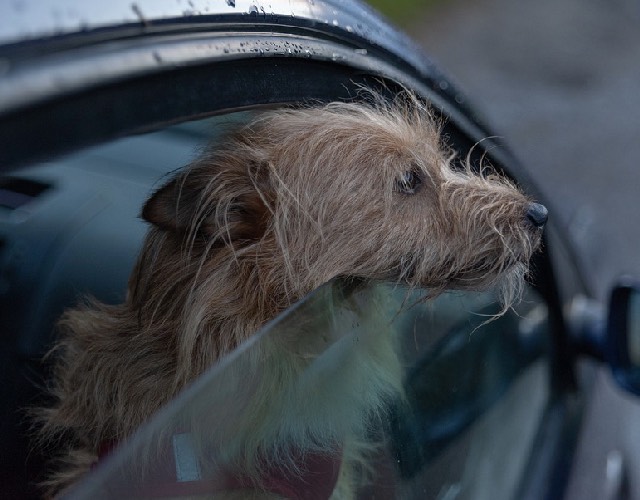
[(53, 49), (32, 30)]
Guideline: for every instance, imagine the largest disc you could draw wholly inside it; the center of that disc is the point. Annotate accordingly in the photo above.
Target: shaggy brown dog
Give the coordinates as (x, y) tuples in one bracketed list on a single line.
[(280, 206)]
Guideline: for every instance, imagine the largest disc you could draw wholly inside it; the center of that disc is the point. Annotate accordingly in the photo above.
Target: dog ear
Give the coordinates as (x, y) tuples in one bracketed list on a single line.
[(230, 204), (165, 210)]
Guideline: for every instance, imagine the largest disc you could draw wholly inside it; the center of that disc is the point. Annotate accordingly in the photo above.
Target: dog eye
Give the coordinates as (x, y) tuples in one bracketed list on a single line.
[(409, 182)]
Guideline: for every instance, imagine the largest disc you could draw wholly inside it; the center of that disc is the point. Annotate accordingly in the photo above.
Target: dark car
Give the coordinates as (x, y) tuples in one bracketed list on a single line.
[(98, 103)]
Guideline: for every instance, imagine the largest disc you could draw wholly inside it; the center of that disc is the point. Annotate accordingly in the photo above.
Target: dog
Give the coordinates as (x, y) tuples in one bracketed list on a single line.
[(363, 191)]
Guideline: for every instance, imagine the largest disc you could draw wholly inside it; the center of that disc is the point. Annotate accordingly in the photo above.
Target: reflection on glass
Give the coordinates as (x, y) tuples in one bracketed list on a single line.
[(633, 328), (437, 399)]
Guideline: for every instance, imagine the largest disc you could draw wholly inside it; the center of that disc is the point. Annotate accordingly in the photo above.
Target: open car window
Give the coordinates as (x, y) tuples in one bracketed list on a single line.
[(474, 391), (462, 425)]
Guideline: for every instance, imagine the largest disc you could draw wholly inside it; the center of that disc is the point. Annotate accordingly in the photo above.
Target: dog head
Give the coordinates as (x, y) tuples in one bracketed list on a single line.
[(361, 190)]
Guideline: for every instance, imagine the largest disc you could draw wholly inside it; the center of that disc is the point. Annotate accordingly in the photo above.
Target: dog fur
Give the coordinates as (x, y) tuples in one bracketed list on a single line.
[(281, 205)]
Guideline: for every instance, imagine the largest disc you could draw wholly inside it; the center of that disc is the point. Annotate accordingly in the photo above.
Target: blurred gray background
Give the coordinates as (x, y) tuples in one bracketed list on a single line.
[(560, 81)]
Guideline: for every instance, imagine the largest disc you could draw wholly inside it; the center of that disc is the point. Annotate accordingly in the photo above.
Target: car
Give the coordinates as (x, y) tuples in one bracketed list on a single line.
[(98, 103)]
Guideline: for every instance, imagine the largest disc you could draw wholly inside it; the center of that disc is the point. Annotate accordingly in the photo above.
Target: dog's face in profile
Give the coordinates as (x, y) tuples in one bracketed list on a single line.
[(352, 190)]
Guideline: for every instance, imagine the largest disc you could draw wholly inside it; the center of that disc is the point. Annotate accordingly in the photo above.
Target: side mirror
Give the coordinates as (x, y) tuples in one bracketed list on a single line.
[(623, 335)]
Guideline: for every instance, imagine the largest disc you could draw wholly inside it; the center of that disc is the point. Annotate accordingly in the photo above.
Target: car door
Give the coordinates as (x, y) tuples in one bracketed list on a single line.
[(74, 108)]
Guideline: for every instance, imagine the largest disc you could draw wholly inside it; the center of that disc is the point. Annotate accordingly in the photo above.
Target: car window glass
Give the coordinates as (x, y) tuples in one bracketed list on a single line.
[(475, 390)]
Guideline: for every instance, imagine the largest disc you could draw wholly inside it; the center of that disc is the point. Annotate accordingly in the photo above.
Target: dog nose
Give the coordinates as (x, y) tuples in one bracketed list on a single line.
[(537, 214)]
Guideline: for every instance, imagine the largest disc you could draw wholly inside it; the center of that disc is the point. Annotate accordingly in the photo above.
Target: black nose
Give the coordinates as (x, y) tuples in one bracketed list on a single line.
[(537, 214)]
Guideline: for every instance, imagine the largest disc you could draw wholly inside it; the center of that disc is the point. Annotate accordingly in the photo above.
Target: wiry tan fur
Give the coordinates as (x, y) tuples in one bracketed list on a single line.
[(280, 206)]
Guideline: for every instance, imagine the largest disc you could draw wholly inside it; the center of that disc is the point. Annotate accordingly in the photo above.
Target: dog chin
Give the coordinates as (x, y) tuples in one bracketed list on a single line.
[(480, 277)]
